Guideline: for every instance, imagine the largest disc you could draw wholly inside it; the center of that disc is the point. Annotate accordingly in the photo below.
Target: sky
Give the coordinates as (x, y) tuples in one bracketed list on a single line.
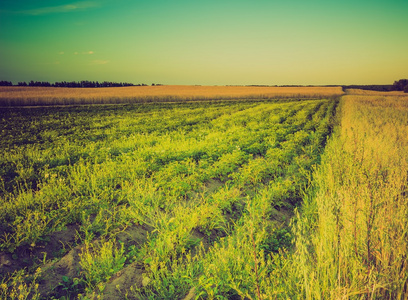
[(212, 42)]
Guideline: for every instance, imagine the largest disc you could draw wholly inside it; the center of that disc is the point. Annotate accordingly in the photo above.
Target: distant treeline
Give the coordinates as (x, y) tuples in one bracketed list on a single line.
[(379, 88), (399, 85), (74, 84)]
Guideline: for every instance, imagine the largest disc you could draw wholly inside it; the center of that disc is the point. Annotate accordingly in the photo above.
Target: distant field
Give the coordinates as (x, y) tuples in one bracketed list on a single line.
[(30, 96), (374, 93)]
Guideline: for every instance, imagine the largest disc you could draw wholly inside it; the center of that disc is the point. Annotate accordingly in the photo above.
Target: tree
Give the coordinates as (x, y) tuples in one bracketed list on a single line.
[(71, 84), (5, 83), (406, 89), (400, 85)]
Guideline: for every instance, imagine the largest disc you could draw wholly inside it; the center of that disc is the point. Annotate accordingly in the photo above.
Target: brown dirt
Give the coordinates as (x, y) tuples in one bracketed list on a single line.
[(53, 273), (134, 235), (6, 263), (52, 282), (122, 281), (55, 245), (57, 267)]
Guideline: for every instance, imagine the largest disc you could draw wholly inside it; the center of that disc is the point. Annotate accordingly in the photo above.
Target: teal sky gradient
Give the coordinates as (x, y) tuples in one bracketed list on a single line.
[(205, 42)]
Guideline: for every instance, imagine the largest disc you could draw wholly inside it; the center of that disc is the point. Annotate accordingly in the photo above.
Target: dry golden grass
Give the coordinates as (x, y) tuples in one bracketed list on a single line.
[(360, 209), (18, 96), (374, 93)]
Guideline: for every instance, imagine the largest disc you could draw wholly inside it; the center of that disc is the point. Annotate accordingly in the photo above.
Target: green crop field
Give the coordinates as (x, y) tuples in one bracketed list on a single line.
[(202, 200), (183, 194)]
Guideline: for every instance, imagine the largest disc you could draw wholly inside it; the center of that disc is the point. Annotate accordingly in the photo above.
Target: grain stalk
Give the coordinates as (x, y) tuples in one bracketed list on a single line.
[(256, 264)]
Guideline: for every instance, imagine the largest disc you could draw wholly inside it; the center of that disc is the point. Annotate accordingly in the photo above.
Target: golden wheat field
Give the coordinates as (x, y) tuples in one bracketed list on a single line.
[(26, 96), (374, 93), (354, 239)]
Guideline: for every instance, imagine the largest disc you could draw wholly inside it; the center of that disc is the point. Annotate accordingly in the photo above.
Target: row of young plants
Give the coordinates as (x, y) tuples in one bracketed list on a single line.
[(211, 183), (241, 262)]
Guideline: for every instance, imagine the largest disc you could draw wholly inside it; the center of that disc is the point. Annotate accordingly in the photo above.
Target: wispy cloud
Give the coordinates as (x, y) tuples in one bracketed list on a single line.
[(99, 62), (49, 63), (77, 6), (83, 53)]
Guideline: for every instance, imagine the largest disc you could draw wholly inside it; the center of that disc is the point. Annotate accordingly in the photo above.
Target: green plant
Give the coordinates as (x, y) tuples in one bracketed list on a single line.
[(20, 286), (100, 261)]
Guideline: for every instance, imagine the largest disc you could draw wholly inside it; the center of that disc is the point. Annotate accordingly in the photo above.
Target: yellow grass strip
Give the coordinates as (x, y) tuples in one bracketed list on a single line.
[(17, 96), (374, 93), (359, 214)]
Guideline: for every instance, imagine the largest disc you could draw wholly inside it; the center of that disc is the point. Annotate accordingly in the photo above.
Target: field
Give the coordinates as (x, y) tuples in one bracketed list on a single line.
[(30, 96), (375, 93), (206, 200)]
